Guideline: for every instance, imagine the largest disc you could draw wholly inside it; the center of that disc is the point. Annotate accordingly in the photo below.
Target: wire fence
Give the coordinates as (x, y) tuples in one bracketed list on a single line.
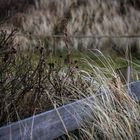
[(83, 36), (95, 36)]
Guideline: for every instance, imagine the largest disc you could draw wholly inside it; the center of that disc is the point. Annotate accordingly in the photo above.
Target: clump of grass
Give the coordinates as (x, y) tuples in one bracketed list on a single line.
[(113, 114)]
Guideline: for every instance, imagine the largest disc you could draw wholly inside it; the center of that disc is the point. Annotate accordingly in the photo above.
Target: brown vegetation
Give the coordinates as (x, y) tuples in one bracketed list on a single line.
[(79, 18)]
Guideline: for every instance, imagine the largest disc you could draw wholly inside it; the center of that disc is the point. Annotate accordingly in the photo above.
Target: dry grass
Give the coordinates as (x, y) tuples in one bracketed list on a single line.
[(77, 17), (112, 115)]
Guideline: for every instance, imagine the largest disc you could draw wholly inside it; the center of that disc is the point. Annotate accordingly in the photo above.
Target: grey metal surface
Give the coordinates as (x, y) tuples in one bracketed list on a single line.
[(48, 125), (54, 123), (134, 90)]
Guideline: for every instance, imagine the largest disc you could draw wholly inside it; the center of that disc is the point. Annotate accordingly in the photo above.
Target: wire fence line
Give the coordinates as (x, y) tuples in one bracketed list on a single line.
[(63, 36), (79, 36), (95, 36)]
